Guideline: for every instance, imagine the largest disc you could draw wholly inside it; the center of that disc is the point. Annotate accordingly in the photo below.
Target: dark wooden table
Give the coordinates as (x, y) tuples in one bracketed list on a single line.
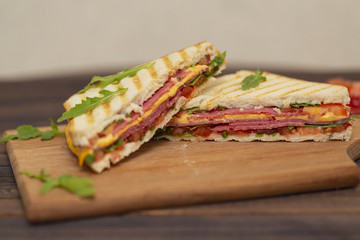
[(321, 215)]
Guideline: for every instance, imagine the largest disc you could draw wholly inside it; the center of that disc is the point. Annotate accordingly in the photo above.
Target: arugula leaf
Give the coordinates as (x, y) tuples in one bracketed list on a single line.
[(291, 127), (186, 134), (274, 134), (47, 135), (259, 135), (253, 80), (297, 105), (90, 158), (26, 132), (88, 104), (224, 134), (114, 146), (79, 186), (192, 83), (197, 126), (221, 108), (326, 126), (215, 63), (42, 176), (8, 137), (192, 110), (115, 78)]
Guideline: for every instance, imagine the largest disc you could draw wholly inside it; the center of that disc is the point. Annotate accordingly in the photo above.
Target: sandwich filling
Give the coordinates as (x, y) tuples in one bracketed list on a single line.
[(301, 119), (148, 117)]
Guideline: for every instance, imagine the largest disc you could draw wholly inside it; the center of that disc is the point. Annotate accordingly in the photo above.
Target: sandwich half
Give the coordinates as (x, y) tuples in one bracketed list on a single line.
[(254, 106), (114, 115)]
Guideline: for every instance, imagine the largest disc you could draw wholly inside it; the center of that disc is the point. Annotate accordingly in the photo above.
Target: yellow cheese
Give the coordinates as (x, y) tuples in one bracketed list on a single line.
[(327, 117), (81, 153)]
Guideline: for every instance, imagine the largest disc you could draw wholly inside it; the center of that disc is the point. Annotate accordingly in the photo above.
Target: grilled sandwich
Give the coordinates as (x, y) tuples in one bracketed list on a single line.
[(252, 106), (121, 113)]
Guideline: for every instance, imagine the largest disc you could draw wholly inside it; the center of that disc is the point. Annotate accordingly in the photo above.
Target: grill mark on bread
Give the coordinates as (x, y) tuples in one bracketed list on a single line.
[(260, 88), (90, 117), (198, 46), (184, 55), (296, 90), (318, 90), (167, 62), (243, 93), (223, 90), (136, 81), (107, 107), (122, 95), (277, 89), (153, 72)]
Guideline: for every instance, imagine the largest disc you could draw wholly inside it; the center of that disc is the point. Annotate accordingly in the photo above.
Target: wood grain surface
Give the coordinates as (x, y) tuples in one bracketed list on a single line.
[(164, 174)]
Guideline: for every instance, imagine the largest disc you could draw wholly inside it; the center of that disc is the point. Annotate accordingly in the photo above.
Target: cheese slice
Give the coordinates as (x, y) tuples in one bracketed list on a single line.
[(313, 116)]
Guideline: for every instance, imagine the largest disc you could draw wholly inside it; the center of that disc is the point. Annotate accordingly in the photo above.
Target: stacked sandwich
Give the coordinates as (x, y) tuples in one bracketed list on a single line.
[(277, 108), (178, 98)]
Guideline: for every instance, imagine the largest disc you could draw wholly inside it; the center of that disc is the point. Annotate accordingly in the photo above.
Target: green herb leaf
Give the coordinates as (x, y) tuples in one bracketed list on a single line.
[(291, 127), (79, 186), (115, 78), (49, 185), (222, 108), (326, 126), (224, 134), (26, 132), (253, 80), (215, 64), (89, 104), (192, 83), (274, 134), (186, 134), (90, 158), (192, 110), (259, 135), (114, 146), (8, 137), (297, 105), (355, 116), (197, 126), (47, 135), (42, 176)]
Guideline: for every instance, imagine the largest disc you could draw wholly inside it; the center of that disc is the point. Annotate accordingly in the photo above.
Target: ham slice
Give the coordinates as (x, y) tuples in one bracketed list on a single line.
[(216, 120), (148, 104)]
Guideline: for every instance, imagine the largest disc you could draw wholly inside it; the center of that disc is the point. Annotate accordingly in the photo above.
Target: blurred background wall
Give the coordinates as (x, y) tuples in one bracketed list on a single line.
[(42, 38)]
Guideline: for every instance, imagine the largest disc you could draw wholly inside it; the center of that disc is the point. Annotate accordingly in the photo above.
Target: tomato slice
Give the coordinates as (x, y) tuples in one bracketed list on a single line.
[(203, 131), (335, 108)]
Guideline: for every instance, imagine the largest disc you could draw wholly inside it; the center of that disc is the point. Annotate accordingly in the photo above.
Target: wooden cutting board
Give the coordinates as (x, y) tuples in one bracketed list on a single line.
[(163, 174)]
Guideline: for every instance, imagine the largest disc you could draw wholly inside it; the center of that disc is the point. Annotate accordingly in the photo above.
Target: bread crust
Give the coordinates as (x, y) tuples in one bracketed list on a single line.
[(320, 137)]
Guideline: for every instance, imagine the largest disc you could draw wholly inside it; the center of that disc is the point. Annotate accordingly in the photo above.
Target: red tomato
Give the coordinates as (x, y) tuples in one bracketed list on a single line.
[(187, 91), (178, 131), (337, 109), (203, 131)]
